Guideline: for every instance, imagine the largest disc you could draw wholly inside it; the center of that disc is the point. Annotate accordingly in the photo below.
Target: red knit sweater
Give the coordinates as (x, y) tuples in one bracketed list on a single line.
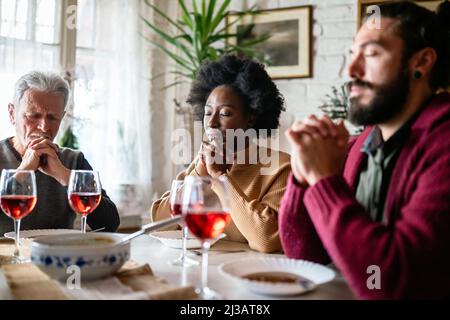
[(413, 249)]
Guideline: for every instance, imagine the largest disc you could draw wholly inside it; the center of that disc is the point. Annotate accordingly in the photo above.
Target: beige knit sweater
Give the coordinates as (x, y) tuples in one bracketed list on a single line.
[(254, 198)]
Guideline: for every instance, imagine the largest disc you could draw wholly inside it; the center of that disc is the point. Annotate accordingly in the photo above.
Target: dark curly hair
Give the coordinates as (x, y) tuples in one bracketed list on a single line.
[(249, 79)]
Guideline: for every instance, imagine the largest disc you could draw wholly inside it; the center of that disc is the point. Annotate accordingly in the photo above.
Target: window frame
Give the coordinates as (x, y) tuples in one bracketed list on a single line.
[(68, 42), (66, 38), (30, 34)]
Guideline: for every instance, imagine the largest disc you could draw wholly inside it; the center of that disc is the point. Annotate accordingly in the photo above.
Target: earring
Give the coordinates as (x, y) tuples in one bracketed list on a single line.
[(417, 75)]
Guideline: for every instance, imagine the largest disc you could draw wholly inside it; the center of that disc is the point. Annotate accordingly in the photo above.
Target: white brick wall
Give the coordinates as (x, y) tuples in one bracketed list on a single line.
[(334, 26)]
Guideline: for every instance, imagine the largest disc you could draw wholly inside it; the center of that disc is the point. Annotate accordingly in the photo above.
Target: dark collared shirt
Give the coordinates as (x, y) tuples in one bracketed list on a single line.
[(375, 176)]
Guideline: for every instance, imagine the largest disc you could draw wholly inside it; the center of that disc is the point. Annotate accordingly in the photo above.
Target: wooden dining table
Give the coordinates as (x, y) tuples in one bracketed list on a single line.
[(148, 250)]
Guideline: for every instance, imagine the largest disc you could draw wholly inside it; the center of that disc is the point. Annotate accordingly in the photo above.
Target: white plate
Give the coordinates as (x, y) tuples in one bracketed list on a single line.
[(174, 239), (30, 234), (317, 273)]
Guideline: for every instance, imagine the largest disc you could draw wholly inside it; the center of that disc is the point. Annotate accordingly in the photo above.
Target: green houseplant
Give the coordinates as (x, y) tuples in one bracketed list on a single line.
[(200, 35), (336, 104), (69, 139)]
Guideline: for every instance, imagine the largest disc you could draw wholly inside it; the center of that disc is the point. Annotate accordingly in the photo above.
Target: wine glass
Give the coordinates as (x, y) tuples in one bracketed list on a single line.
[(17, 199), (84, 193), (206, 211), (175, 202)]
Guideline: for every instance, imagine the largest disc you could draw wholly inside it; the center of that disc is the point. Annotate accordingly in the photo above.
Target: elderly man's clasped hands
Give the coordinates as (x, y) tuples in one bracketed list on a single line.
[(42, 154), (318, 148)]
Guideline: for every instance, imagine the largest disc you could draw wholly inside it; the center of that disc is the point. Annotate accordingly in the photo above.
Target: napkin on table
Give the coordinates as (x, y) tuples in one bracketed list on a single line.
[(27, 282)]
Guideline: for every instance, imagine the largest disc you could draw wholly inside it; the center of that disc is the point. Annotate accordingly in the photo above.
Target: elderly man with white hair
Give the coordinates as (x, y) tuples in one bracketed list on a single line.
[(39, 106)]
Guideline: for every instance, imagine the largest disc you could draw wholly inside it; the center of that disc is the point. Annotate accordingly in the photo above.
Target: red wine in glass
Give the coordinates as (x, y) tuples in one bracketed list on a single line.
[(18, 198), (175, 205), (175, 209), (84, 193), (17, 207), (207, 225), (206, 208), (84, 203)]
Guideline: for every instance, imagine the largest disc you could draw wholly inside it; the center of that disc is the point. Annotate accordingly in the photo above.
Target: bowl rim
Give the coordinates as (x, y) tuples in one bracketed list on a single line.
[(224, 268), (37, 244)]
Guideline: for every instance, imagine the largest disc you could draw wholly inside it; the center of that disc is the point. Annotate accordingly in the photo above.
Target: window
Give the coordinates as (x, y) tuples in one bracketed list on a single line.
[(29, 39), (110, 84), (111, 102)]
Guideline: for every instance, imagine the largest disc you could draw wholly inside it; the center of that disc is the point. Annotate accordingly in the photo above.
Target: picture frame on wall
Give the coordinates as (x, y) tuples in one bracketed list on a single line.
[(364, 4), (288, 50)]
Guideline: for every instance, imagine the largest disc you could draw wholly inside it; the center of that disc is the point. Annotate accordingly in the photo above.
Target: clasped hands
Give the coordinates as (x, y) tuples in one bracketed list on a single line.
[(318, 148), (42, 154), (211, 159)]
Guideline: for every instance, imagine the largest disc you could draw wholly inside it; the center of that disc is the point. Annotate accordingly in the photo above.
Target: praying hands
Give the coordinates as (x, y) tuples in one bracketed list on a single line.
[(318, 148)]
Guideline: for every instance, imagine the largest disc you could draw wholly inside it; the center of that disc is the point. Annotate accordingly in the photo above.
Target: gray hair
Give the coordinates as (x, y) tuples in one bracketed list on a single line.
[(41, 81)]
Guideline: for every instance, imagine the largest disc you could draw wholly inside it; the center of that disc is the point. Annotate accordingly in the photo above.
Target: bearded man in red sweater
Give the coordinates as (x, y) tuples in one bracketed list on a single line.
[(380, 201)]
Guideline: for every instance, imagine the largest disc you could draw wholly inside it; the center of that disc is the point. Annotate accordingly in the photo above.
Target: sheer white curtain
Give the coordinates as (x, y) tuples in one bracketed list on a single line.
[(29, 39), (111, 102)]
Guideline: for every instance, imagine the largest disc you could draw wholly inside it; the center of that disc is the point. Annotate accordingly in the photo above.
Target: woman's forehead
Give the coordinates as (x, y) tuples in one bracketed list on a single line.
[(224, 95)]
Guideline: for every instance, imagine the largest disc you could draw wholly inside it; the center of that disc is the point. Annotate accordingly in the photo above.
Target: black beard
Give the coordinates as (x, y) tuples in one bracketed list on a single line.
[(389, 100)]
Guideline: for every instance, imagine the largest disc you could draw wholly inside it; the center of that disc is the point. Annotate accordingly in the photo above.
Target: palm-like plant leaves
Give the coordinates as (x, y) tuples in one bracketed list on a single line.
[(199, 35)]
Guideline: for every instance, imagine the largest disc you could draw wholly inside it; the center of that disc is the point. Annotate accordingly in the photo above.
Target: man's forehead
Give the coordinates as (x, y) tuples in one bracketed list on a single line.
[(33, 96), (383, 32), (33, 99)]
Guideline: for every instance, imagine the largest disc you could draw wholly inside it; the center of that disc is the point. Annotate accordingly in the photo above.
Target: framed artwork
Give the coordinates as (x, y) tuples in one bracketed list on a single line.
[(288, 50), (364, 4)]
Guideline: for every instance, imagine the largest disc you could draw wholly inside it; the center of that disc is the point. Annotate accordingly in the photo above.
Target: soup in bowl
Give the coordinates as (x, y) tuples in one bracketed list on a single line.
[(93, 255)]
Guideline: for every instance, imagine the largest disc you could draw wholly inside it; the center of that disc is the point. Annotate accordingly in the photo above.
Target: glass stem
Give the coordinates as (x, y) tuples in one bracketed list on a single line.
[(17, 239), (83, 223), (205, 245), (185, 234)]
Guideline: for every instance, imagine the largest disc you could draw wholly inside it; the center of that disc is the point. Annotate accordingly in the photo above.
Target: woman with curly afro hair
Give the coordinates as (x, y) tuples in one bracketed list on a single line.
[(237, 95)]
